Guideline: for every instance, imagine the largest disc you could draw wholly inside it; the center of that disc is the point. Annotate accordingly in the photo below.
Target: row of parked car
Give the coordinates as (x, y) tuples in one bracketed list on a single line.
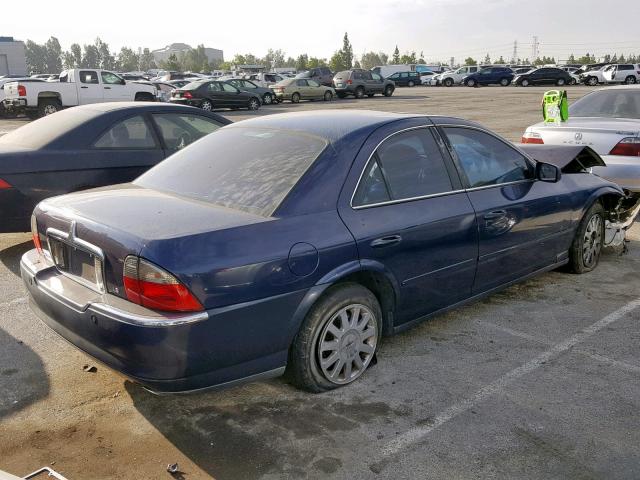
[(472, 75)]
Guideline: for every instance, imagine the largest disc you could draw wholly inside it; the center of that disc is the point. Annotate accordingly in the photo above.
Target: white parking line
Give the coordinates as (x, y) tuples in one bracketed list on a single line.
[(418, 433), (15, 301)]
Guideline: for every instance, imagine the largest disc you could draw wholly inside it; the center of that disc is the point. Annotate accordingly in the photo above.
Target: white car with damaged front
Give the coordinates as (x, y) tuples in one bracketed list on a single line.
[(606, 120)]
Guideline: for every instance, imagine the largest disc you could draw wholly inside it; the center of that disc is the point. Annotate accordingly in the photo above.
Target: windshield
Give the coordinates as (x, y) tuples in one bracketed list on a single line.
[(45, 130), (247, 169), (306, 74), (613, 103)]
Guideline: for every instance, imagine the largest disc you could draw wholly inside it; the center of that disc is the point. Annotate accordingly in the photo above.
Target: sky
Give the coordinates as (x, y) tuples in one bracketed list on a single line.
[(439, 28)]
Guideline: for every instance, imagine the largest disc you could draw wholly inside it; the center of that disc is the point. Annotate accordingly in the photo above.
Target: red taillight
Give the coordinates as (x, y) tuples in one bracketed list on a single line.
[(22, 91), (628, 147), (35, 235), (152, 287), (349, 82), (187, 95), (532, 137), (4, 184)]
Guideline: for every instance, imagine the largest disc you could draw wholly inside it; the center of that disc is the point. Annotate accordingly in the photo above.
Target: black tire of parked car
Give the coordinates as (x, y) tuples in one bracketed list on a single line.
[(524, 82), (587, 234), (267, 99), (388, 91), (448, 82), (303, 367), (360, 92), (328, 96), (411, 84), (560, 82), (630, 80), (504, 82), (591, 81), (573, 81), (254, 103), (206, 105), (48, 106), (341, 95), (370, 95), (471, 83), (295, 98)]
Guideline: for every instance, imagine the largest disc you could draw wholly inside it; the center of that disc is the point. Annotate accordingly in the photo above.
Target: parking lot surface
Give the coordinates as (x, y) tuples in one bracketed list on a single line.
[(541, 380)]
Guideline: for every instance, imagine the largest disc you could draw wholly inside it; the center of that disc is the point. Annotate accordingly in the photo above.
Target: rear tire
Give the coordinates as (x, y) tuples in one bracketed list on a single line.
[(359, 92), (448, 82), (524, 83), (341, 95), (328, 96), (592, 81), (267, 99), (472, 83), (504, 82), (587, 244), (560, 82), (411, 84), (352, 345), (370, 95), (48, 106), (630, 80), (206, 105), (295, 98), (254, 104)]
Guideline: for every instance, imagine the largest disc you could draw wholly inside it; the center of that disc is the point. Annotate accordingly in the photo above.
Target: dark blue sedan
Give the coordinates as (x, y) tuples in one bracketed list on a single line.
[(296, 241), (90, 146)]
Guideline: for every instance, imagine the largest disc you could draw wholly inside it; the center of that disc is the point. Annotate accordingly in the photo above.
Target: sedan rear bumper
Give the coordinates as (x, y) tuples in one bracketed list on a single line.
[(164, 353), (625, 171)]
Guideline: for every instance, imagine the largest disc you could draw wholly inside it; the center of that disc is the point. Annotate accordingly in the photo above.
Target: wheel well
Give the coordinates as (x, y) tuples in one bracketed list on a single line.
[(381, 287), (48, 96), (609, 201), (143, 95)]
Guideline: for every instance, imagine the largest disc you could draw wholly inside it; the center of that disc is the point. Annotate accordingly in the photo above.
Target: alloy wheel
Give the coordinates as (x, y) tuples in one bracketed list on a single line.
[(347, 343), (49, 109), (254, 104), (592, 242), (206, 105)]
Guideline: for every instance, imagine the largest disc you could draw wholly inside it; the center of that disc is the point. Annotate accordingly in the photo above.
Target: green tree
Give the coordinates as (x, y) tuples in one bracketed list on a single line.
[(315, 62), (470, 61), (106, 60), (370, 60), (336, 63), (408, 58), (356, 64), (36, 57), (172, 63), (421, 59), (396, 56), (128, 60), (274, 58), (347, 52), (500, 61), (53, 55), (571, 59), (147, 61), (76, 52), (487, 60), (90, 57), (302, 61)]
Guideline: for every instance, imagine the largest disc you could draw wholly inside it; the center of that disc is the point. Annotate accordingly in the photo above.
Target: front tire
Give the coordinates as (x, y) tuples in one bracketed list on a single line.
[(448, 82), (524, 83), (295, 98), (337, 340), (592, 81), (587, 244), (328, 96), (560, 82), (267, 99), (472, 83), (410, 84), (388, 91), (206, 105)]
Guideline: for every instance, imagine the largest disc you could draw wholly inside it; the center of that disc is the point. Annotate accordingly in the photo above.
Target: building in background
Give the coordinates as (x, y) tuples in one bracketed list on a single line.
[(12, 57), (163, 54)]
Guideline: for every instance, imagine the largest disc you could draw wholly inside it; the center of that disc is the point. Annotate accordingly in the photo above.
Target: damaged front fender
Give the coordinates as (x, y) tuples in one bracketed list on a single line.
[(621, 218)]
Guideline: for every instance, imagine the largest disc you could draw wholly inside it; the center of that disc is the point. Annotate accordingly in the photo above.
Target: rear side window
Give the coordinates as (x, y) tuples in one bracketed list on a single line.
[(87, 76), (179, 130), (301, 83), (248, 169), (410, 164), (127, 134), (485, 159)]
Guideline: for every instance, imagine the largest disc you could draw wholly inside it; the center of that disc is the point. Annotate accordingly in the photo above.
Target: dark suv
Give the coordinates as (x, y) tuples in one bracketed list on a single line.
[(406, 79), (322, 75), (490, 76), (359, 83)]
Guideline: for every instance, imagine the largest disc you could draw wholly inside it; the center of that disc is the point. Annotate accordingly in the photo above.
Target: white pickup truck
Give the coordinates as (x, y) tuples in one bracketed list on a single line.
[(75, 87)]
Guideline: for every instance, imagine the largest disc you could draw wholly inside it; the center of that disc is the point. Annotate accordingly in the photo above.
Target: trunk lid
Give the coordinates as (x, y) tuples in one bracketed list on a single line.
[(600, 134), (122, 220)]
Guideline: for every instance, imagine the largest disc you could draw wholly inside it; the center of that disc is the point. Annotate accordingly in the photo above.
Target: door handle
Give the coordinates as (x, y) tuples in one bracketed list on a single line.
[(107, 88), (84, 87), (496, 214), (386, 241)]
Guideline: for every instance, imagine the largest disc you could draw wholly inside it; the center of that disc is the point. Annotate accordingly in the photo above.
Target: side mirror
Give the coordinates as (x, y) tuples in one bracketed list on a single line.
[(545, 172), (123, 81)]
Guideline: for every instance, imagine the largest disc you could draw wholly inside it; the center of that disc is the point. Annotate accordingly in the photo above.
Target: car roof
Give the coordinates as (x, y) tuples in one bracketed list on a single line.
[(619, 87), (115, 106), (331, 125)]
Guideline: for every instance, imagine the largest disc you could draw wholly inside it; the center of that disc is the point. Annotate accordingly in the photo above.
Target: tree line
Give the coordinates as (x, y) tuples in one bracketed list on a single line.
[(50, 58)]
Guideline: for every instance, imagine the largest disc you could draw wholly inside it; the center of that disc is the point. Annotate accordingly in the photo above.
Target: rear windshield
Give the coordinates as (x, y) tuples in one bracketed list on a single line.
[(43, 131), (247, 169), (614, 103)]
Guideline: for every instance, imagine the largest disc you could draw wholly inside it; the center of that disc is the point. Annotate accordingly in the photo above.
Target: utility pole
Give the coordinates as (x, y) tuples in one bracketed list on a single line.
[(514, 56), (535, 52)]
